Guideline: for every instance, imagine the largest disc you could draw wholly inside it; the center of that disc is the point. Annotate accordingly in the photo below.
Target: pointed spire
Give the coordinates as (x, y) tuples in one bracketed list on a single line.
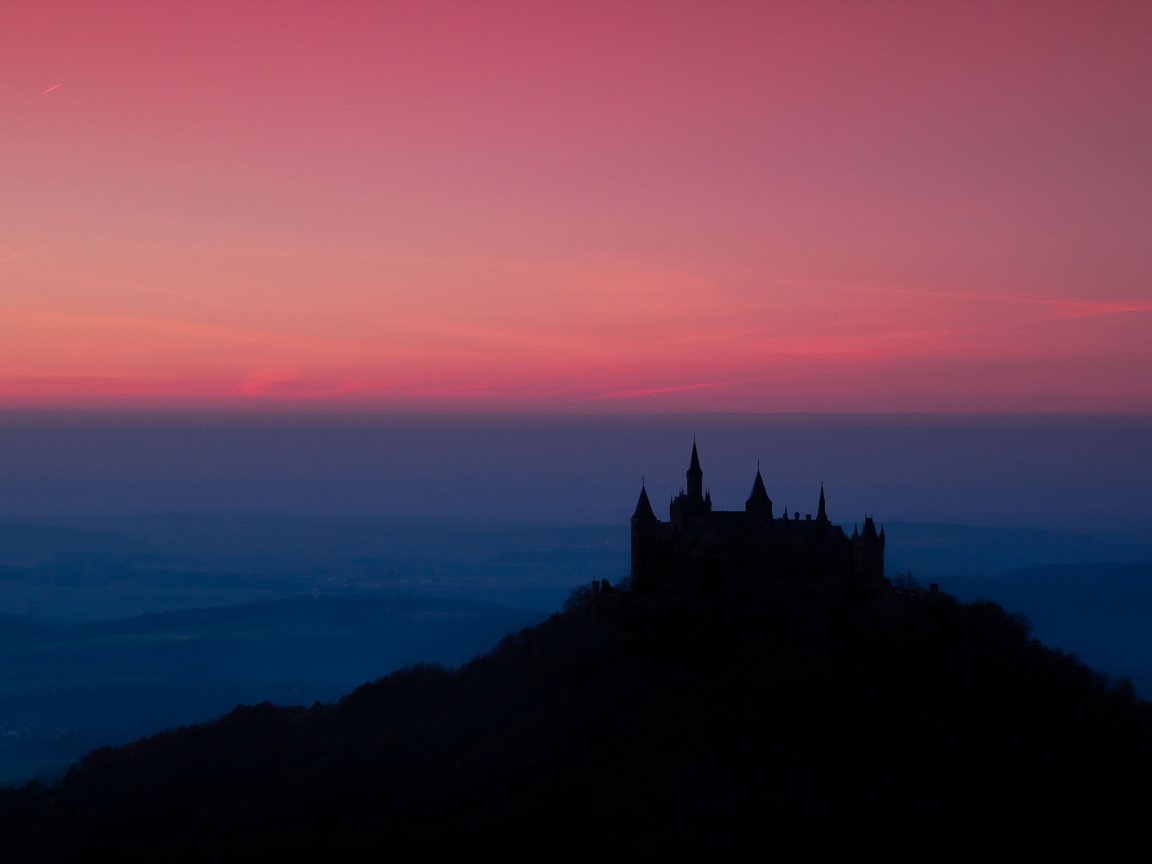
[(758, 501), (695, 476), (643, 506), (821, 512)]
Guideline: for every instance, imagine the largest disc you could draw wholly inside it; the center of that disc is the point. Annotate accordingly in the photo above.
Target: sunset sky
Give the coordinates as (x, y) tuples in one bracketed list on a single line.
[(576, 206)]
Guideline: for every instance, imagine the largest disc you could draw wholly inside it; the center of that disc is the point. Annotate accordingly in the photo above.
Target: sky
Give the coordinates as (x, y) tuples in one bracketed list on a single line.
[(620, 207), (1081, 473)]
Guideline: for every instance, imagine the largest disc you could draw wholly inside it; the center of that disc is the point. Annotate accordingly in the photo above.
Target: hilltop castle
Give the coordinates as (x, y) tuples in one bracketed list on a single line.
[(701, 551)]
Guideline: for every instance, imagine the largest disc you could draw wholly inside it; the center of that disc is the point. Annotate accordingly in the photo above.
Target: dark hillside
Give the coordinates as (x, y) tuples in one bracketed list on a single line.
[(67, 687), (912, 725)]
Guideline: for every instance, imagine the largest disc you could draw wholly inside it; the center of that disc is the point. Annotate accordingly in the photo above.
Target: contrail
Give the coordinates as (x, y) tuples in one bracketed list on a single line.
[(50, 89)]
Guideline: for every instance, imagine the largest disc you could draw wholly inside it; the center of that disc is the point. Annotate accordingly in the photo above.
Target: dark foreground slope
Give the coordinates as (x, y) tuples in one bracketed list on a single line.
[(915, 726), (67, 687)]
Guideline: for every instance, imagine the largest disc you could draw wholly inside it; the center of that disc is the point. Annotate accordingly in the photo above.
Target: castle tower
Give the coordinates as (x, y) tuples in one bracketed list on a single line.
[(870, 554), (643, 511), (821, 510), (695, 477), (693, 502), (645, 543), (758, 502)]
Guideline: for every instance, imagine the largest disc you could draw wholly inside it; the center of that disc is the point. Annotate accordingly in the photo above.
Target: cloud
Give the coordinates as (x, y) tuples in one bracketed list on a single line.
[(1092, 308), (1063, 307), (13, 255), (652, 391)]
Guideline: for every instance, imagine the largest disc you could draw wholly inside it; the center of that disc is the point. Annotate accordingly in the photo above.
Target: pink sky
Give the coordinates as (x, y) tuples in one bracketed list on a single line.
[(577, 206)]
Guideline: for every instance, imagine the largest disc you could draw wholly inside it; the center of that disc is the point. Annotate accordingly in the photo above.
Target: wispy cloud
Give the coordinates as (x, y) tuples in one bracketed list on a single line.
[(1063, 307), (12, 255), (1093, 308), (652, 391)]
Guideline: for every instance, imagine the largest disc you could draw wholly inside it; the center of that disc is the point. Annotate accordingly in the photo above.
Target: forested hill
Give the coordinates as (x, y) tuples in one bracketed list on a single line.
[(911, 725)]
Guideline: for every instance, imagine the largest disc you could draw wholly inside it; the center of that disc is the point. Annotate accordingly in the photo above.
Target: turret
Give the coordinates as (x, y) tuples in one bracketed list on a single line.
[(695, 477), (645, 544), (821, 512), (691, 502), (870, 554), (643, 511), (758, 502)]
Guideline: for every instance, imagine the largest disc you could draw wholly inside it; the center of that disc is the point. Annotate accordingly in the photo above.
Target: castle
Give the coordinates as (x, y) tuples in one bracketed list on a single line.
[(700, 551)]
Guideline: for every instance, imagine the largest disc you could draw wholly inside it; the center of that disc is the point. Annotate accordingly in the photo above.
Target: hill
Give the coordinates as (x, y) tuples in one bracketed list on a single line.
[(1098, 610), (910, 725), (67, 687)]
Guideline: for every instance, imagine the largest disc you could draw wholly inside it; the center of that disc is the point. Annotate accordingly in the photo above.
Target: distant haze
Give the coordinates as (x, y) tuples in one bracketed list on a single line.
[(1067, 472)]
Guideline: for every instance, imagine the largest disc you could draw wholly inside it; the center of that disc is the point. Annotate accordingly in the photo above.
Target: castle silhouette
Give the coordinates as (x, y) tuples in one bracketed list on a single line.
[(700, 551)]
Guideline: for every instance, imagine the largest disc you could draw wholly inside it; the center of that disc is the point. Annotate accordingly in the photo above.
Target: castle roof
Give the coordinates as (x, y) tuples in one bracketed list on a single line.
[(643, 506), (759, 496)]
